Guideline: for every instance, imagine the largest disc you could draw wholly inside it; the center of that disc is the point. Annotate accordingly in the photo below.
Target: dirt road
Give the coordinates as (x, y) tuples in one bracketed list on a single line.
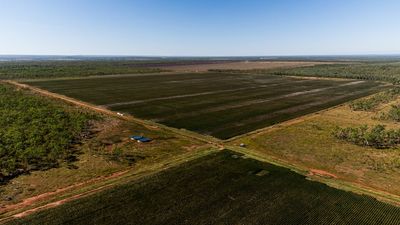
[(148, 124), (50, 199)]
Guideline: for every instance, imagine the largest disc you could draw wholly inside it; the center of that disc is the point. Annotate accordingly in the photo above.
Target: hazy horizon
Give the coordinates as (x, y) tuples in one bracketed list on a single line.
[(218, 28)]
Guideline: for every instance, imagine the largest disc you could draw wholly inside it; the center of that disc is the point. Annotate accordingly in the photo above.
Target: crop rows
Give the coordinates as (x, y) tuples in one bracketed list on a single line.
[(221, 188), (221, 105)]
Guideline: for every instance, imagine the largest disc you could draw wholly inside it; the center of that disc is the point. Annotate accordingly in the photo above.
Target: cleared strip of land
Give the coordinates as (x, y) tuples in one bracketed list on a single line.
[(221, 105), (242, 65)]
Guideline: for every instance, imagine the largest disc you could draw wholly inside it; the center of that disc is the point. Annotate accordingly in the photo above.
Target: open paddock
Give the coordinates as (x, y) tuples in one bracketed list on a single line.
[(216, 104), (239, 65)]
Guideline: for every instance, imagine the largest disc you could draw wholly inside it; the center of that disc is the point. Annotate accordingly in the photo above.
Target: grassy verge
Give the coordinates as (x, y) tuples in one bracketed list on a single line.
[(310, 144)]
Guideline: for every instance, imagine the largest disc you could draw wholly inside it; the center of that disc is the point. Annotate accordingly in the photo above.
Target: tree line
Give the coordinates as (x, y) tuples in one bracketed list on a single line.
[(368, 104), (36, 133), (377, 136), (375, 71), (55, 69)]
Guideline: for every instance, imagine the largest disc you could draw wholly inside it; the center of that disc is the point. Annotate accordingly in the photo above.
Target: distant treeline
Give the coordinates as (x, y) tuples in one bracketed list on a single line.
[(36, 133), (54, 69), (388, 71)]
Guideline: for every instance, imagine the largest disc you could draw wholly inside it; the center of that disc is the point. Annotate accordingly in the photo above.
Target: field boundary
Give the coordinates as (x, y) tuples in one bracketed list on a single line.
[(293, 121), (216, 144), (122, 177), (98, 76), (146, 123), (321, 177)]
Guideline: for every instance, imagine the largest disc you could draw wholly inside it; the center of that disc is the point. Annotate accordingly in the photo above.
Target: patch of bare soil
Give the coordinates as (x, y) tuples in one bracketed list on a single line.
[(321, 173), (244, 65), (30, 201), (59, 202)]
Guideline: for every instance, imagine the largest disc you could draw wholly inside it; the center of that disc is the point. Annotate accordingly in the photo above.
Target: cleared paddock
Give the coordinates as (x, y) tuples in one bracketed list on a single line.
[(217, 104)]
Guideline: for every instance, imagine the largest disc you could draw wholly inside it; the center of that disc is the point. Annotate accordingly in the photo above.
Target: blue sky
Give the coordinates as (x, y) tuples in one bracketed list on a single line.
[(199, 27)]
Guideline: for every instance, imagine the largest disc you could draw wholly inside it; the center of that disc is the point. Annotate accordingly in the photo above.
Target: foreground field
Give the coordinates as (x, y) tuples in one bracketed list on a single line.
[(105, 155), (310, 143), (217, 104), (221, 188)]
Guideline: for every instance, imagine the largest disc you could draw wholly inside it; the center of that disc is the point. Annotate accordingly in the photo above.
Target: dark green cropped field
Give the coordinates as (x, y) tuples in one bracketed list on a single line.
[(217, 104), (221, 188)]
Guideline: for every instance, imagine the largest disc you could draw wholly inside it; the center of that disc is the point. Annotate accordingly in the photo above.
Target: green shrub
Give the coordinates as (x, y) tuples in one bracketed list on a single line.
[(389, 72), (378, 71), (374, 101), (377, 137), (393, 114), (54, 69)]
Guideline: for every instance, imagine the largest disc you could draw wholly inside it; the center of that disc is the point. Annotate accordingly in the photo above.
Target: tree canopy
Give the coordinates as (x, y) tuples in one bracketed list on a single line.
[(36, 133)]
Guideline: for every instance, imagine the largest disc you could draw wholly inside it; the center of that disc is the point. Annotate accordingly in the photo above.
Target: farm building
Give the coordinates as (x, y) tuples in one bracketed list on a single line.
[(140, 139)]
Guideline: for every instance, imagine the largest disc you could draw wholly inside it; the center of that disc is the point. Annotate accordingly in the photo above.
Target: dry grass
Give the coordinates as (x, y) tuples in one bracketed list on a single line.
[(242, 66), (308, 143), (108, 153)]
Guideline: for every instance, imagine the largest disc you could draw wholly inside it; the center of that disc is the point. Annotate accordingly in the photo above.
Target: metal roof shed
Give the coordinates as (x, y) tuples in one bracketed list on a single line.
[(144, 139)]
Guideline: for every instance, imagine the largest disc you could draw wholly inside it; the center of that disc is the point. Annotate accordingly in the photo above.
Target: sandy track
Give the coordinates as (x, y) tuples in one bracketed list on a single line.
[(322, 173), (49, 195), (41, 197)]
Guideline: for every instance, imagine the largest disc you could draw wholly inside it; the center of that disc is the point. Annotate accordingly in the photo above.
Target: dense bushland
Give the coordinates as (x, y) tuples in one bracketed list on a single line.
[(382, 71), (36, 133), (371, 103), (377, 137), (389, 72), (54, 69)]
